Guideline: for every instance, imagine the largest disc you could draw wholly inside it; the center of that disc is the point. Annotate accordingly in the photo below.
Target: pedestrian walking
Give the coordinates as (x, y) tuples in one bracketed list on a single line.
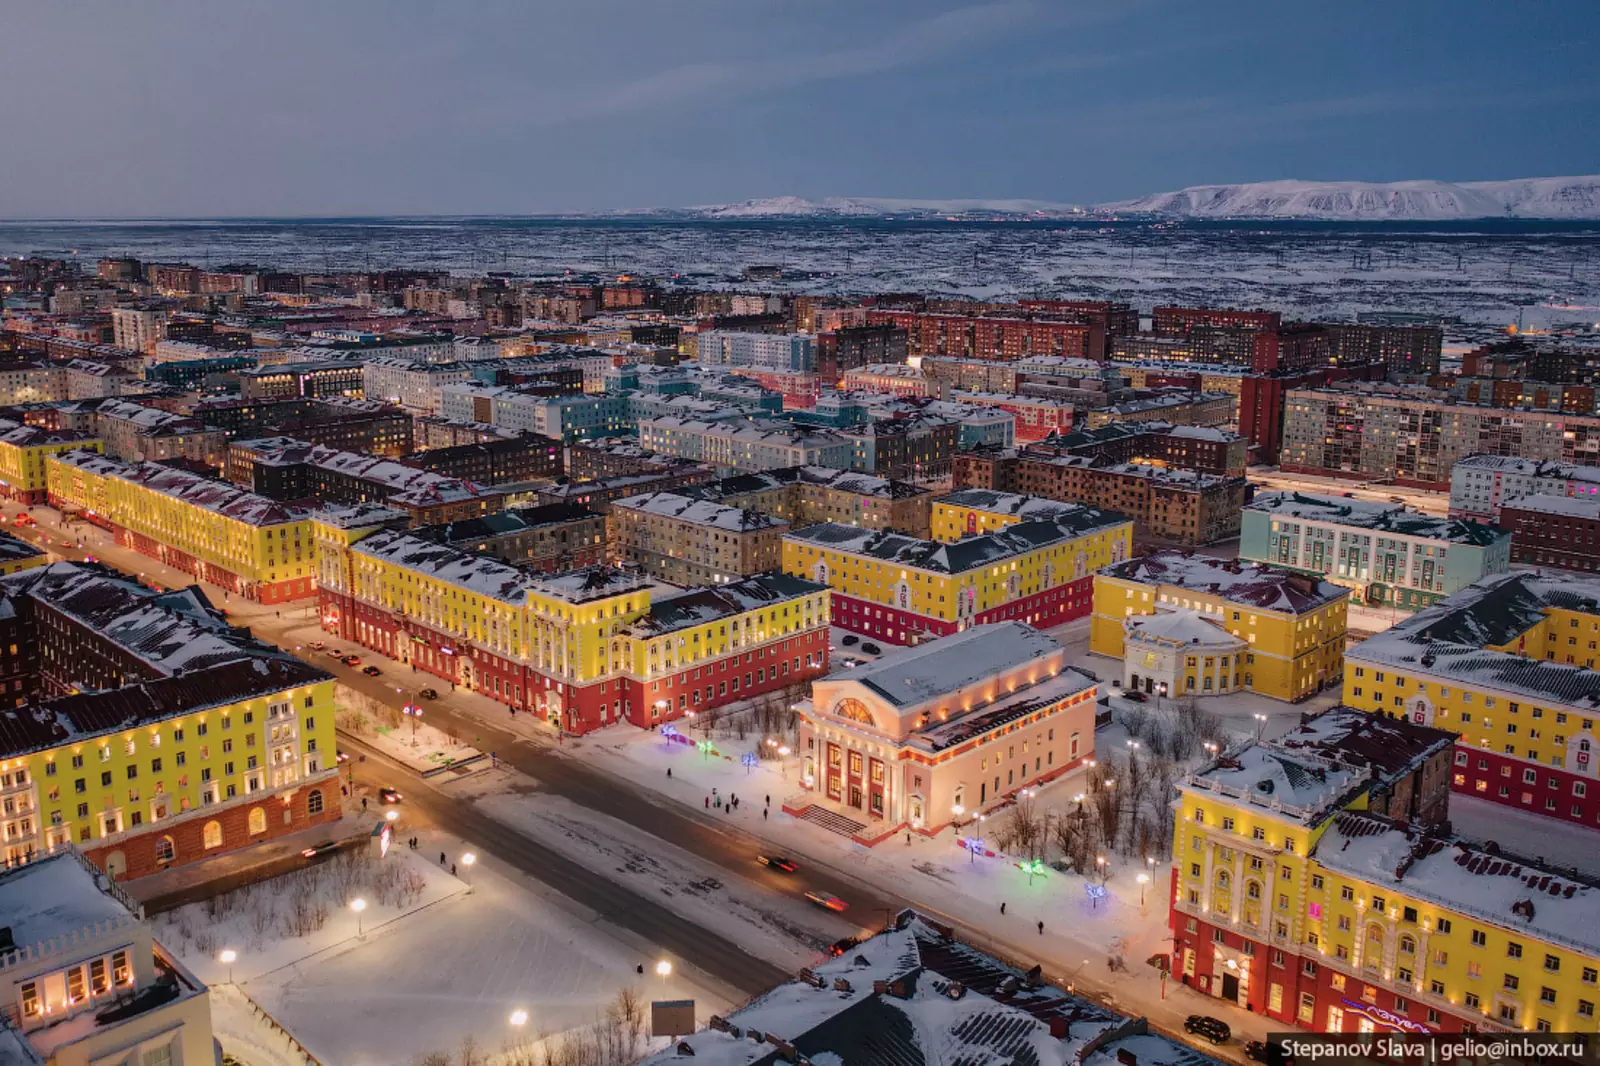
[(1041, 927), (441, 858), (763, 814), (708, 803), (363, 803), (669, 771), (1002, 907), (452, 869), (769, 799)]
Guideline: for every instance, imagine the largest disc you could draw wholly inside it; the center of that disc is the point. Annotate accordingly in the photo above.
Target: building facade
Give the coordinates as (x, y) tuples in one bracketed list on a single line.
[(1293, 625), (1559, 531), (903, 590), (935, 735), (1382, 552), (1481, 484), (690, 541)]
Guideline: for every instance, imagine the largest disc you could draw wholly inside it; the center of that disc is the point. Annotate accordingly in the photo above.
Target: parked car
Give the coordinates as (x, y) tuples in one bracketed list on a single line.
[(1269, 1052), (388, 795), (848, 639), (777, 862), (428, 694), (828, 900), (336, 653), (319, 849), (316, 645), (26, 520), (352, 660), (1349, 495), (871, 649), (1133, 695), (371, 671), (1208, 1028)]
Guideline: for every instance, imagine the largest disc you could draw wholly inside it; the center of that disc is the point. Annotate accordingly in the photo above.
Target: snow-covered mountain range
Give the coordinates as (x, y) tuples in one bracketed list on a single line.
[(1547, 198), (882, 207), (1400, 201)]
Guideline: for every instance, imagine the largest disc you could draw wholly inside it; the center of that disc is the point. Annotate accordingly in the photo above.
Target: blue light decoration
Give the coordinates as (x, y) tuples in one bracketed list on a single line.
[(749, 760), (669, 733), (1095, 892)]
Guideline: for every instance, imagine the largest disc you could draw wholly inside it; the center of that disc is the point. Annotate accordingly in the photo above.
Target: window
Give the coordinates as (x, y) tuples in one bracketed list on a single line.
[(213, 835), (1589, 975), (1513, 950), (166, 851), (314, 801), (1479, 938), (1552, 964), (120, 974), (1510, 982), (158, 1056), (30, 999), (1443, 926), (258, 821), (1471, 999), (1547, 995)]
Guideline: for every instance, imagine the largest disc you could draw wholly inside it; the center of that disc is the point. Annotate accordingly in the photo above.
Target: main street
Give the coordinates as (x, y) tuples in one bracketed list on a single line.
[(532, 750)]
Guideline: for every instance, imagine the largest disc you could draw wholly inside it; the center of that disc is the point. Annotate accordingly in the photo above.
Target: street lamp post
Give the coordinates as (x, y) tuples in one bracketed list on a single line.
[(1143, 879), (358, 905), (227, 956), (663, 971), (519, 1018), (412, 711), (467, 860), (1261, 724)]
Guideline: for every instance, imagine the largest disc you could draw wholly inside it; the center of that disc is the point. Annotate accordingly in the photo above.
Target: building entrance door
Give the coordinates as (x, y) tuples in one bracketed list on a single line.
[(855, 797), (1230, 987)]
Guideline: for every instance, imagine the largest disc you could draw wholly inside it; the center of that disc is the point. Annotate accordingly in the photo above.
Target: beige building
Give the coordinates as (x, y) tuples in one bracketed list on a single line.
[(1181, 653), (806, 495), (85, 983), (935, 734), (690, 541)]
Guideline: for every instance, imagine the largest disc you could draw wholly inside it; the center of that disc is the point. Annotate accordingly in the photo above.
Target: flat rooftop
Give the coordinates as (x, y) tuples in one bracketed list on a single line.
[(53, 897)]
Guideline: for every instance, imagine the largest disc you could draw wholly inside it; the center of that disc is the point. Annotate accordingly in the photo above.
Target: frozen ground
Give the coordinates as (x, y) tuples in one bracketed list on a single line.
[(454, 964), (1486, 272)]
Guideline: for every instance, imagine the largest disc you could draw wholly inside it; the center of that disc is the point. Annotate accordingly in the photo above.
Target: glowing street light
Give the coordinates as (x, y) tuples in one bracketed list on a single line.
[(519, 1018), (663, 970), (1261, 724), (227, 956), (413, 712), (1143, 879), (358, 905), (467, 860), (391, 815)]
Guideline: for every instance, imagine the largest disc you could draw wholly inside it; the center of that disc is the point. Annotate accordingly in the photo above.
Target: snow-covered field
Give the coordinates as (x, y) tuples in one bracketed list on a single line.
[(1485, 272)]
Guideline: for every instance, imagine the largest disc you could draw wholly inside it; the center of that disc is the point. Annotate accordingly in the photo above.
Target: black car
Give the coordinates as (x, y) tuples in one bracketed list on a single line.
[(848, 639), (1134, 696), (1203, 1025), (839, 947), (428, 694), (320, 849), (388, 795), (1269, 1052), (871, 649), (777, 862), (371, 671)]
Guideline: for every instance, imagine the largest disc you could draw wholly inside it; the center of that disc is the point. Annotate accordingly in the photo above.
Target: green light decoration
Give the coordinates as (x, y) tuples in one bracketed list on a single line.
[(1032, 867)]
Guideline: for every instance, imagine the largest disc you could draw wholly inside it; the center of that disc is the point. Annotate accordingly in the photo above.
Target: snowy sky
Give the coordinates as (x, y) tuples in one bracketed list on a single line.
[(299, 107)]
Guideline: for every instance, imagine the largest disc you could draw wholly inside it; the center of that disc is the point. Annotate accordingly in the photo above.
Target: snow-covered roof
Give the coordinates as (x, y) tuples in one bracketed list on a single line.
[(1379, 517), (1156, 403), (1248, 584), (969, 553), (1180, 627), (914, 995), (481, 574), (1511, 464), (996, 399), (1513, 893), (700, 512), (1452, 638), (52, 897), (591, 583), (913, 675), (1010, 504), (407, 485), (192, 489), (693, 607), (1565, 506), (1392, 747), (1302, 786)]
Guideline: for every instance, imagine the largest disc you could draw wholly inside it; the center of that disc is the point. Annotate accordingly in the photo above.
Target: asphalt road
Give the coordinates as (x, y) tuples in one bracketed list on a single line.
[(594, 889)]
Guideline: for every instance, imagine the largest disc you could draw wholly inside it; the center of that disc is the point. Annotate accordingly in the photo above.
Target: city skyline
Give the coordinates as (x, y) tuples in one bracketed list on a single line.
[(528, 110)]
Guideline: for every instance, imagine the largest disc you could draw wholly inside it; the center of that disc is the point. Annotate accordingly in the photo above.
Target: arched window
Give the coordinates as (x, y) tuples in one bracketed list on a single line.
[(1408, 945), (258, 821), (1375, 933), (1223, 878), (212, 835), (1253, 889), (314, 801), (166, 850), (854, 710)]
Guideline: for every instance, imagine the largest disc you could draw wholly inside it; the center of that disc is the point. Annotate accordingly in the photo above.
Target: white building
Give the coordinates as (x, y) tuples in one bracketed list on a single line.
[(763, 351), (411, 384), (1479, 484), (1180, 653), (744, 445), (137, 329), (564, 418), (80, 948)]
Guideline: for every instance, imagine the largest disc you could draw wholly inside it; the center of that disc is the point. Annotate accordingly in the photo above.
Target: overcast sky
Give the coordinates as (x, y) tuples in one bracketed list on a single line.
[(347, 107)]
